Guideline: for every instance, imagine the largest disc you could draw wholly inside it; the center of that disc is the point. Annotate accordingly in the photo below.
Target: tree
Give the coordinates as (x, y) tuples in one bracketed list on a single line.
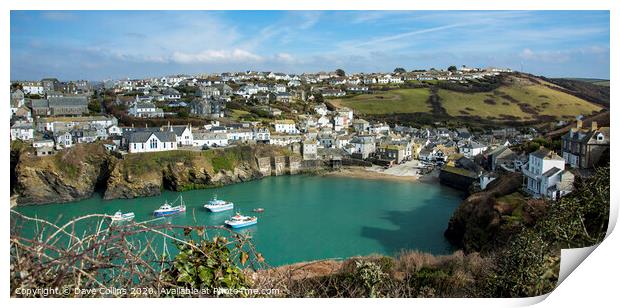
[(94, 106), (399, 70), (452, 68), (318, 98), (340, 72)]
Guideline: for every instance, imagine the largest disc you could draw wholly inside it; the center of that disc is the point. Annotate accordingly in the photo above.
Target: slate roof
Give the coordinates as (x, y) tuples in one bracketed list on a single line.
[(73, 101), (551, 172), (40, 103), (142, 137), (545, 154), (209, 136), (178, 129)]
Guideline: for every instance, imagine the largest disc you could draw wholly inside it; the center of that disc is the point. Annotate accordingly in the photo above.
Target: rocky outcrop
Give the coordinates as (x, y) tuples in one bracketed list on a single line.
[(75, 173), (69, 175), (148, 174), (122, 184), (475, 224)]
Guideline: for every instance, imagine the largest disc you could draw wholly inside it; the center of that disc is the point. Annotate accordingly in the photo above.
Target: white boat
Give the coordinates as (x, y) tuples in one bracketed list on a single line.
[(119, 216), (240, 221), (167, 209), (216, 205)]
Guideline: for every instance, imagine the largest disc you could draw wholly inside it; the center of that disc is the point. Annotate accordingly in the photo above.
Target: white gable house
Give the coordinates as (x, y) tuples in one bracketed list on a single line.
[(140, 142), (545, 175)]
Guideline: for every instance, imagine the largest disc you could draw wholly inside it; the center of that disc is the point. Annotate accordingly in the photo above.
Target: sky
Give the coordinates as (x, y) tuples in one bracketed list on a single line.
[(99, 45)]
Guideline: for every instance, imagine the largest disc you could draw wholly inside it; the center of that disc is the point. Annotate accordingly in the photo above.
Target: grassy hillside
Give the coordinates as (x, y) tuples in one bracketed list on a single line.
[(516, 102), (392, 101), (513, 98)]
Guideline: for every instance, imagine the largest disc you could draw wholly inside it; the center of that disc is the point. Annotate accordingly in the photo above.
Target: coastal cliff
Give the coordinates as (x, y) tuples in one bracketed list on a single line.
[(486, 219), (69, 175), (76, 173)]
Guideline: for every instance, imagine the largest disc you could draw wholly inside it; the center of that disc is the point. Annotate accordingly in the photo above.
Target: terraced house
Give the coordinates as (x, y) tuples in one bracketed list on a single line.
[(582, 147)]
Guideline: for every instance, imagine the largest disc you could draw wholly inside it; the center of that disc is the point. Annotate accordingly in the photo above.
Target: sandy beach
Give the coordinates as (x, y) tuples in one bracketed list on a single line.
[(408, 172)]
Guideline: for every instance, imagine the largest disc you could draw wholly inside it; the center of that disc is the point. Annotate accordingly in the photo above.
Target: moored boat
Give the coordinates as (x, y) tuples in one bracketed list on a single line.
[(120, 216), (258, 210), (167, 209), (240, 221), (216, 205)]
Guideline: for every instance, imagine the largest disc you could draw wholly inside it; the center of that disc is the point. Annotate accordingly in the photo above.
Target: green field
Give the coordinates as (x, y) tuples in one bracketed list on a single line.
[(604, 83), (520, 101), (392, 101)]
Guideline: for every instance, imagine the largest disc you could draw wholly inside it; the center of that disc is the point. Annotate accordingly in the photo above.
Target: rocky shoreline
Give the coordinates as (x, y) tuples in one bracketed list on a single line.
[(76, 173)]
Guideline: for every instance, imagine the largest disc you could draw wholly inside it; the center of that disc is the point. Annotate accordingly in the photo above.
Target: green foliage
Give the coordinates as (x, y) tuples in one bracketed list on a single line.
[(400, 70), (318, 98), (340, 72), (370, 275), (94, 106), (529, 264), (452, 68), (205, 265)]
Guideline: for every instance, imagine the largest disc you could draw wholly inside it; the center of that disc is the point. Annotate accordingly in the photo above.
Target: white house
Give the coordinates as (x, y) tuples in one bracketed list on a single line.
[(183, 133), (363, 146), (22, 131), (146, 110), (471, 149), (63, 140), (33, 88), (321, 109), (140, 142), (285, 126), (283, 140), (545, 175), (240, 134), (114, 130), (40, 143), (339, 122), (261, 134), (210, 139), (309, 149)]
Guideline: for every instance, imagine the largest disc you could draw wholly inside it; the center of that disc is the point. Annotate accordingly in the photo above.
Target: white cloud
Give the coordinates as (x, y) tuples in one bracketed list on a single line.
[(284, 57), (221, 56)]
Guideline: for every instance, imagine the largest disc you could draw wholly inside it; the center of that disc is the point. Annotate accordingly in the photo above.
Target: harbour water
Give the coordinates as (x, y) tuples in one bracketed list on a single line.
[(306, 217)]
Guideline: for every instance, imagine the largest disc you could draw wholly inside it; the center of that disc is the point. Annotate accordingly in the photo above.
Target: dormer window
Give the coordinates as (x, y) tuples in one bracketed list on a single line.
[(600, 137)]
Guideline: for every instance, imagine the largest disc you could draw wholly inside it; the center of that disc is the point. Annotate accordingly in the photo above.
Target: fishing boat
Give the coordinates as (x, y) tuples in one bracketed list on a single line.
[(167, 209), (120, 216), (240, 221), (216, 205)]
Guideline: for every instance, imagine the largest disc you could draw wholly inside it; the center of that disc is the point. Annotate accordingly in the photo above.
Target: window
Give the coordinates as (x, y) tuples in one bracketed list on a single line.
[(153, 143)]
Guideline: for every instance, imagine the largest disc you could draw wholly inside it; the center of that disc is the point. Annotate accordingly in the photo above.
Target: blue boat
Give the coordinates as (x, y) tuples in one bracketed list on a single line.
[(167, 209), (216, 205), (240, 221)]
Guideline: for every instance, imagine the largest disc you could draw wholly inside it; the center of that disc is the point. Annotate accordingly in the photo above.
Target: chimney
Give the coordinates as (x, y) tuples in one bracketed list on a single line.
[(594, 125), (579, 123)]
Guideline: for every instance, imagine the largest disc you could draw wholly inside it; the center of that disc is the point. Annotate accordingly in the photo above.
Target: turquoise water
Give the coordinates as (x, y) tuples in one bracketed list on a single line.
[(306, 217)]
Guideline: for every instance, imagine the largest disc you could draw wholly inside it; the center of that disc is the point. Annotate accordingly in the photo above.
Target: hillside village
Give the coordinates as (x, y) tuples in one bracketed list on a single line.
[(198, 113)]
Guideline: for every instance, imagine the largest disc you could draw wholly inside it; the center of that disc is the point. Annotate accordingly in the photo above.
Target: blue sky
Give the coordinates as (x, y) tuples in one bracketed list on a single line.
[(96, 45)]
